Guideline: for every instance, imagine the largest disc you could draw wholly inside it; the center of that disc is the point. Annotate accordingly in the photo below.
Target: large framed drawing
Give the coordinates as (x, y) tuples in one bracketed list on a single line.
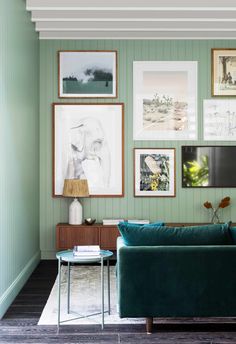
[(219, 119), (87, 74), (223, 72), (165, 100), (154, 172), (88, 144)]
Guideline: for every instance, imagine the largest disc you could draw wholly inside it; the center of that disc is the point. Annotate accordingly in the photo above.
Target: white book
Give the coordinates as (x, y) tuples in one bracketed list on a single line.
[(86, 248), (86, 254), (111, 221), (141, 222)]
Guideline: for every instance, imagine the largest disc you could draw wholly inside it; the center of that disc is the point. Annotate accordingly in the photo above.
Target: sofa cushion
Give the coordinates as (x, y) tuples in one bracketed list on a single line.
[(156, 234), (232, 231)]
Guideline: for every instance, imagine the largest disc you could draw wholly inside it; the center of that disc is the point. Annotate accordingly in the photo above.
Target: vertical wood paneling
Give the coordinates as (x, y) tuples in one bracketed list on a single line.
[(19, 143), (187, 205)]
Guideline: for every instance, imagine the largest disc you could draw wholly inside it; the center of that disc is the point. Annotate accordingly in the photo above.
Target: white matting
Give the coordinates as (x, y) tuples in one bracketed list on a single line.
[(85, 298)]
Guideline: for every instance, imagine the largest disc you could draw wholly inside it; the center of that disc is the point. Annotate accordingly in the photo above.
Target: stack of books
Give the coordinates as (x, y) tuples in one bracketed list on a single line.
[(86, 250), (140, 222), (111, 221)]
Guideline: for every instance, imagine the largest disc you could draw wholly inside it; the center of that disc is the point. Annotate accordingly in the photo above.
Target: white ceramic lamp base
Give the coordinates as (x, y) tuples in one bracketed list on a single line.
[(75, 213)]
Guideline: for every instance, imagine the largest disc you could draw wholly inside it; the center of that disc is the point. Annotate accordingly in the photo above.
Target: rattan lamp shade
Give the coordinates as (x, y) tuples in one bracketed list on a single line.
[(75, 188)]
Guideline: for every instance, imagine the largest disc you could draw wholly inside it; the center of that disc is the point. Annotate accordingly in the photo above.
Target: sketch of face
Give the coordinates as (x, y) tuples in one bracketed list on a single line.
[(88, 142)]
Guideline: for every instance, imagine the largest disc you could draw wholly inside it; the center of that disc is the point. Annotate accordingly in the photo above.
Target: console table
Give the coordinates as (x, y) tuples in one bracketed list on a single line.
[(67, 236)]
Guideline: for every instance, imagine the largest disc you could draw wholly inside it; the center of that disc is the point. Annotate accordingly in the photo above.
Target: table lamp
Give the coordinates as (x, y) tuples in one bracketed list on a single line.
[(75, 188)]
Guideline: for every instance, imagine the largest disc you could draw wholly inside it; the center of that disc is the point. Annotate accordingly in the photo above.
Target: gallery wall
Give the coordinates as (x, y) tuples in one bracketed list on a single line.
[(19, 150), (187, 206)]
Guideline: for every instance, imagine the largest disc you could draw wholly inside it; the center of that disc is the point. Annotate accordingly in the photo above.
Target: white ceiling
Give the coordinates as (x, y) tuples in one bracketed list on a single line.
[(130, 19)]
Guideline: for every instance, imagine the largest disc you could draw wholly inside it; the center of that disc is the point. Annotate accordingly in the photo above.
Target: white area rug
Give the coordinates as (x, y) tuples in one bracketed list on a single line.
[(85, 298)]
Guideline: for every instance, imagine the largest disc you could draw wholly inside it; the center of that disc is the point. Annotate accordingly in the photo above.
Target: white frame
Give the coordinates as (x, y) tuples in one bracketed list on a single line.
[(96, 133), (219, 119), (167, 151), (78, 58), (139, 67)]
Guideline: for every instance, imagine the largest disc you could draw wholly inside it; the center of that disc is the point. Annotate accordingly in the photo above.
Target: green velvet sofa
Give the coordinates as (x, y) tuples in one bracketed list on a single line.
[(176, 281)]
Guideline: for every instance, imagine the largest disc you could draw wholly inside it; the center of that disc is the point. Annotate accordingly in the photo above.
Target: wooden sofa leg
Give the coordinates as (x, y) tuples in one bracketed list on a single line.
[(149, 322)]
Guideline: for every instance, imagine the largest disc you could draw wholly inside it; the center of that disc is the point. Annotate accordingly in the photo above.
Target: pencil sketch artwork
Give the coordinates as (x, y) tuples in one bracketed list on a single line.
[(88, 145), (227, 72), (89, 153), (165, 100), (220, 120), (224, 72), (87, 74)]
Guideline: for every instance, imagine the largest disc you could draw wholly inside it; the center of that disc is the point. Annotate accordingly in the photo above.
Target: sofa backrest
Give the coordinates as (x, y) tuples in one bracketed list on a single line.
[(157, 234)]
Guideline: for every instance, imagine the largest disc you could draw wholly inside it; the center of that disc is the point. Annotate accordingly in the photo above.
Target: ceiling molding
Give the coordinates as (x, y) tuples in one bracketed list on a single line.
[(136, 35), (131, 16), (134, 26), (129, 5), (133, 19)]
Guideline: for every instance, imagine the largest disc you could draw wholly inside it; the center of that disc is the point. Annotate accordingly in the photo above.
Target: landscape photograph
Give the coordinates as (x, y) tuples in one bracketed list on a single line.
[(165, 105), (87, 74)]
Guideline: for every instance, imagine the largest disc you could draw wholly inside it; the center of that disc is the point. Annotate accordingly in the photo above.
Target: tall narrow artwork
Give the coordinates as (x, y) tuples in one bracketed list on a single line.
[(165, 100), (223, 72), (88, 144), (87, 74)]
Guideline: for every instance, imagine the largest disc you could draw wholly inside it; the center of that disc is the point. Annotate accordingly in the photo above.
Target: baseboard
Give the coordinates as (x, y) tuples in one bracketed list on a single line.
[(9, 295), (48, 254)]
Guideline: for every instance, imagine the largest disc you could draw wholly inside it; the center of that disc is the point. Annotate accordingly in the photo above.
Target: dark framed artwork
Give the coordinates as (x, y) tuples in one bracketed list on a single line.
[(223, 72), (87, 74)]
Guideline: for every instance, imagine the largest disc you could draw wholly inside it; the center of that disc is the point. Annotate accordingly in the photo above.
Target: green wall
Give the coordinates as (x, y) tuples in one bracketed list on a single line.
[(187, 205), (19, 149)]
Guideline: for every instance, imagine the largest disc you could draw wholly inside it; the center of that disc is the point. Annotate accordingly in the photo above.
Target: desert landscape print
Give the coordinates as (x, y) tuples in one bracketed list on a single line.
[(165, 105)]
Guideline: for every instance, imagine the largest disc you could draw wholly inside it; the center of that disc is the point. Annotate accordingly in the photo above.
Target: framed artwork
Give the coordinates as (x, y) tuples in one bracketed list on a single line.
[(219, 119), (223, 72), (87, 74), (88, 143), (154, 172), (165, 100)]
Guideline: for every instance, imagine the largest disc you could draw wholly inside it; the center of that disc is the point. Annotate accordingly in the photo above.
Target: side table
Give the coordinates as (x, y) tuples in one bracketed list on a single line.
[(68, 257)]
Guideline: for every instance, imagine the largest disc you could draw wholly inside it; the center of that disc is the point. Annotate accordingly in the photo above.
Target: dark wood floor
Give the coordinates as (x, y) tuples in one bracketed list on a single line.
[(20, 322)]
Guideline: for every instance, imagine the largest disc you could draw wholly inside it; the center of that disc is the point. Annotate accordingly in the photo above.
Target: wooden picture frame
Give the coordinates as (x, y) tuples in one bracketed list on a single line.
[(88, 143), (87, 74), (223, 72), (154, 172)]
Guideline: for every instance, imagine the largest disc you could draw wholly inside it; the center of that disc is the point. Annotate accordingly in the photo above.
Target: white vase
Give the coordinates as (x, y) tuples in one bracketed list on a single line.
[(75, 213)]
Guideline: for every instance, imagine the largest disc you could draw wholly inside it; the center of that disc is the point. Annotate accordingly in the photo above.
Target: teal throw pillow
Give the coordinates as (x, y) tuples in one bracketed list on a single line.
[(152, 235)]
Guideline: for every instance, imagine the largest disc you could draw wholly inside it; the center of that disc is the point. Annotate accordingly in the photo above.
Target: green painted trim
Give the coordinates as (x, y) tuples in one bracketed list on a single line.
[(11, 292), (48, 254)]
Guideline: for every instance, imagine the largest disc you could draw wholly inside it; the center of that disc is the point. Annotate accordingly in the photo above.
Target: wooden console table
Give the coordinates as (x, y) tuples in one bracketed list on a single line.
[(67, 236)]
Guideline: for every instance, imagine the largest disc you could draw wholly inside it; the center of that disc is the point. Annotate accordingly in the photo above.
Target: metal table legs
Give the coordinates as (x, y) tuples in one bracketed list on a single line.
[(59, 292), (108, 287), (102, 292), (68, 290)]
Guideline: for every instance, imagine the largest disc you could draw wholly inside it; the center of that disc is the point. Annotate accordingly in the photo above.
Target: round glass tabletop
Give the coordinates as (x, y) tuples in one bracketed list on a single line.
[(68, 256)]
